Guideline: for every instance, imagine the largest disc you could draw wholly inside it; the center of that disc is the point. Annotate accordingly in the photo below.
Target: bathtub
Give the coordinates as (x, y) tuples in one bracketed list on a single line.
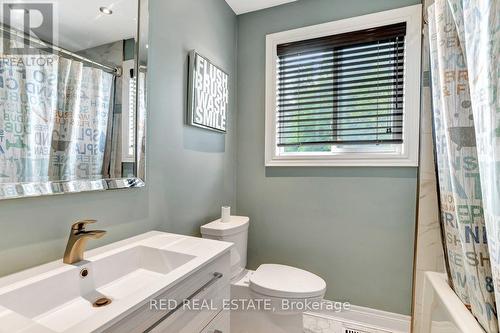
[(442, 310)]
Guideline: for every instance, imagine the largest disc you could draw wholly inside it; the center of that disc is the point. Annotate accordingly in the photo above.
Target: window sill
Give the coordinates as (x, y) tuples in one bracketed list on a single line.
[(344, 161)]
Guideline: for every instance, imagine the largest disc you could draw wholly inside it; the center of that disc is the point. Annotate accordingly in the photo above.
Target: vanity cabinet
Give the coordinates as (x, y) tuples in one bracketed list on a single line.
[(221, 323), (205, 289)]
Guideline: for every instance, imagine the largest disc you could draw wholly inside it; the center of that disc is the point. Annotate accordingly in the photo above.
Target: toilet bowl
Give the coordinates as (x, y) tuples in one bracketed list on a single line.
[(287, 290)]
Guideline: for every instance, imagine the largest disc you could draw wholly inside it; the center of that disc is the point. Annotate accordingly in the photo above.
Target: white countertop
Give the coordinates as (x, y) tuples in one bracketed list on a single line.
[(203, 251)]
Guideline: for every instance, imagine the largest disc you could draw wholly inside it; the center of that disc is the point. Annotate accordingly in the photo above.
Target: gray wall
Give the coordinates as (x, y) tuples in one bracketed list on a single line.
[(352, 226), (195, 173), (190, 171)]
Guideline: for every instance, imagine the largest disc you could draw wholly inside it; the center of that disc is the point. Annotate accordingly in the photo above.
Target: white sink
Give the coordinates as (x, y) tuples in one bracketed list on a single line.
[(62, 300), (128, 272)]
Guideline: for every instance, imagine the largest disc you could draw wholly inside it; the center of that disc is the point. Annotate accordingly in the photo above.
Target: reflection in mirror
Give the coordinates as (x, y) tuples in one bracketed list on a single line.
[(72, 97)]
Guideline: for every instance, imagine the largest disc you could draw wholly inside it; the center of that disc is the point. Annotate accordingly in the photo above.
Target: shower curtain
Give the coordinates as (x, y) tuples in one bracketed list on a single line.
[(465, 47), (27, 104), (79, 137), (53, 119)]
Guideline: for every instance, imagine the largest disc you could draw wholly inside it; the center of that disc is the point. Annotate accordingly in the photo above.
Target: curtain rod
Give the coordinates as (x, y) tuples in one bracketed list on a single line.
[(117, 71)]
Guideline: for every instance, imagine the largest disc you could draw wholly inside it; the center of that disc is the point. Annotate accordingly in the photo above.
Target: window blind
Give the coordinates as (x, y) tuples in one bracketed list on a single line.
[(342, 89)]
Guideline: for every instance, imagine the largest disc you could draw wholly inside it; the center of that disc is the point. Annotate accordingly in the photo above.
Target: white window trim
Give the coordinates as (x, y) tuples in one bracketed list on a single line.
[(128, 112), (408, 154)]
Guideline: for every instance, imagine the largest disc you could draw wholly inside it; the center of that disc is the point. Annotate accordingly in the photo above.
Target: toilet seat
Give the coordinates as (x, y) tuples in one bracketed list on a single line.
[(283, 281)]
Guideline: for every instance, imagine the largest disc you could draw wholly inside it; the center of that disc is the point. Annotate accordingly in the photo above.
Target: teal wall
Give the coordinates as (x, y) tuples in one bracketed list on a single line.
[(195, 172), (190, 171), (352, 226)]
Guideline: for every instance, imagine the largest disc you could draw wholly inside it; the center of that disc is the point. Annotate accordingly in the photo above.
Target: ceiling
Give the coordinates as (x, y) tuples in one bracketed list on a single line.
[(80, 25), (245, 6)]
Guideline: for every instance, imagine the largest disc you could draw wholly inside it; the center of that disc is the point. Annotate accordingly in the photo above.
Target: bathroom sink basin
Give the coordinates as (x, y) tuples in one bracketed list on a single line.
[(63, 298)]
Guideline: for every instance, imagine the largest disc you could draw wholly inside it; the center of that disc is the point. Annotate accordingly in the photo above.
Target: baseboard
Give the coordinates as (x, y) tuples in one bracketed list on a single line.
[(372, 319)]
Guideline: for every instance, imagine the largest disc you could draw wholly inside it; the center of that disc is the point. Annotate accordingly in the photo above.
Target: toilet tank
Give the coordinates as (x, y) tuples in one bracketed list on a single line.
[(234, 231)]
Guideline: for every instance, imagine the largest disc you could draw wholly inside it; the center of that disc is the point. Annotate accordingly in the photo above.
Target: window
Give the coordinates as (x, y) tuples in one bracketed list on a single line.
[(345, 92)]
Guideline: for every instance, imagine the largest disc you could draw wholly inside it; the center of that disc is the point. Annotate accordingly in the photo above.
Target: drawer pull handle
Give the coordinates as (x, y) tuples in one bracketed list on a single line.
[(216, 276), (217, 331)]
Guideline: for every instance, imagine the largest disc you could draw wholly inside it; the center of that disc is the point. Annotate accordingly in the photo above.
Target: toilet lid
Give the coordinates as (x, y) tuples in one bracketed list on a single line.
[(286, 282), (218, 228)]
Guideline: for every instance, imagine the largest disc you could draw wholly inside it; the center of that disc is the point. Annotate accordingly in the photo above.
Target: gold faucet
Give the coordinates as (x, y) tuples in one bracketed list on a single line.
[(78, 238)]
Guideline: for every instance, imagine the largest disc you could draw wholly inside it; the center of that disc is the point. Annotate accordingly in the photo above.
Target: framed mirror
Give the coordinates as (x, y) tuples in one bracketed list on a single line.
[(72, 96)]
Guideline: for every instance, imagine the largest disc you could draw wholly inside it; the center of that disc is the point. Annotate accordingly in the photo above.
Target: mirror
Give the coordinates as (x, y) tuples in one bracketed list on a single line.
[(72, 96)]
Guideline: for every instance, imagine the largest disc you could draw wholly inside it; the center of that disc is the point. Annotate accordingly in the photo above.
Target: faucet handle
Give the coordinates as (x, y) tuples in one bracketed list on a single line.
[(80, 225)]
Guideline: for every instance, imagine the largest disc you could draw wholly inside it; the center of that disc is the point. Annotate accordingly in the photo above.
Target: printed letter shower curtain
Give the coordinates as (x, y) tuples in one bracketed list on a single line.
[(465, 47), (53, 119)]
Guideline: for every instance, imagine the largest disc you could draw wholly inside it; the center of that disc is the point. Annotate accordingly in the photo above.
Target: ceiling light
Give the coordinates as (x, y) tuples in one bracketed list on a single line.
[(106, 10)]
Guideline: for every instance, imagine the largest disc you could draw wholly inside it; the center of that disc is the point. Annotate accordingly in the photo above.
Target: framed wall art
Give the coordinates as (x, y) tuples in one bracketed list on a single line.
[(208, 94)]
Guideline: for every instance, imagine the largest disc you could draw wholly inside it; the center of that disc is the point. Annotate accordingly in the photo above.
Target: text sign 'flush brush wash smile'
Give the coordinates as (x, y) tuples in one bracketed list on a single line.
[(208, 94)]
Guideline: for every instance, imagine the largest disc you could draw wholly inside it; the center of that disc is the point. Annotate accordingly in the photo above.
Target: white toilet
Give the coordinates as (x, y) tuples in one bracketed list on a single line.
[(278, 283)]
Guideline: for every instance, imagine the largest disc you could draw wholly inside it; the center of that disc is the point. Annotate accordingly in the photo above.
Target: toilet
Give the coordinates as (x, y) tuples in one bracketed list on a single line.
[(280, 284)]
